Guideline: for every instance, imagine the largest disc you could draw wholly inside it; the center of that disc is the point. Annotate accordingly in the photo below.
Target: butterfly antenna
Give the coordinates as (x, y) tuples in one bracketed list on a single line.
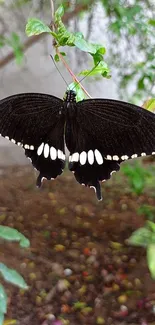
[(58, 70), (90, 72), (87, 74)]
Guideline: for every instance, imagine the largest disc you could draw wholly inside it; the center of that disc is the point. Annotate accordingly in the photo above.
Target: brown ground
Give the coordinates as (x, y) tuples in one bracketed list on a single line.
[(107, 282)]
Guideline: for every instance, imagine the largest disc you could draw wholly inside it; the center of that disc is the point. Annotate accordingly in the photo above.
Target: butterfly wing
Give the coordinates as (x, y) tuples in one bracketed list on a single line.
[(36, 122), (106, 133)]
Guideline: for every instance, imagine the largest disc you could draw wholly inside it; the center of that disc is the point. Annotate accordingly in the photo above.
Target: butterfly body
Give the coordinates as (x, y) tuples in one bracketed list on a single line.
[(99, 134)]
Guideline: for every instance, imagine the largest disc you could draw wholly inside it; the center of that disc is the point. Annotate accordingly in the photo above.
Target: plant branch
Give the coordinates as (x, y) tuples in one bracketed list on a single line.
[(34, 39), (70, 71)]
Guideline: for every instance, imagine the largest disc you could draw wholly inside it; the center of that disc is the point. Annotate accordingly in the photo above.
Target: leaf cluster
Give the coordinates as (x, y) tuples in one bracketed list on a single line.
[(63, 37), (9, 274)]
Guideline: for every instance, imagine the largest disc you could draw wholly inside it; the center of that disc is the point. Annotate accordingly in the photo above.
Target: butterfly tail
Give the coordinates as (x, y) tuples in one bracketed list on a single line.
[(97, 188)]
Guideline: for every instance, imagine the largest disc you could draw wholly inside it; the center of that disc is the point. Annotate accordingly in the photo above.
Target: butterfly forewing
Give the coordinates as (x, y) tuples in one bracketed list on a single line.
[(107, 132), (123, 130), (36, 122)]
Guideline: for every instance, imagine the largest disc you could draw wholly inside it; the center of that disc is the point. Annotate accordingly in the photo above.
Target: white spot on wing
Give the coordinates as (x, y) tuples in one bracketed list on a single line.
[(125, 157), (46, 150), (26, 146), (143, 154), (13, 141), (109, 157), (74, 157), (153, 153), (134, 156), (40, 149), (115, 157), (31, 147), (90, 157), (61, 155), (53, 153), (98, 157), (7, 137), (83, 158)]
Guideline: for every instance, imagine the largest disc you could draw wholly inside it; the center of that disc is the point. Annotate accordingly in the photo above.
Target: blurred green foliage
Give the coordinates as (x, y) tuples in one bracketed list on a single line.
[(148, 211), (8, 274), (129, 28), (145, 237), (137, 176)]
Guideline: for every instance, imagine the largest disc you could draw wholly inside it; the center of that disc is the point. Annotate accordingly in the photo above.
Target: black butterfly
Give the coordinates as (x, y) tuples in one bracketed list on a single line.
[(99, 133)]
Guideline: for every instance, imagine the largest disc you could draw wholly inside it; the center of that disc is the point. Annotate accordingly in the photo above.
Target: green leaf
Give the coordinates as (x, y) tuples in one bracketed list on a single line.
[(63, 53), (141, 237), (11, 234), (150, 105), (98, 70), (79, 92), (3, 300), (12, 276), (151, 259), (35, 27), (84, 45), (151, 225), (56, 58), (59, 12), (151, 22), (79, 35)]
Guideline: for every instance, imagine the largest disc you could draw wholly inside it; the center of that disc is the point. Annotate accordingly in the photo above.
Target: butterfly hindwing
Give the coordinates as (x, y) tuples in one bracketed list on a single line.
[(35, 122), (86, 158), (91, 175)]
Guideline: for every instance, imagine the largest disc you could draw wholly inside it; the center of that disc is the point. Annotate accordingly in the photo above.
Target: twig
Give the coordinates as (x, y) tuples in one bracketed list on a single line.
[(71, 73)]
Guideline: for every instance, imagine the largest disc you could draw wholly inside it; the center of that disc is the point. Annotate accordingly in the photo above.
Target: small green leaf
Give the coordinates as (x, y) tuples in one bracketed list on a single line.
[(150, 105), (35, 27), (56, 58), (151, 225), (79, 92), (141, 237), (151, 259), (152, 22), (3, 300), (63, 53), (59, 12), (11, 234), (12, 276), (79, 35), (98, 70), (84, 45)]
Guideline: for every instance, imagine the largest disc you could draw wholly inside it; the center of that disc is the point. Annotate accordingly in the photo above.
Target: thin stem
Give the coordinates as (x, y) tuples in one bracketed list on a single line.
[(52, 9), (52, 15), (70, 71)]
